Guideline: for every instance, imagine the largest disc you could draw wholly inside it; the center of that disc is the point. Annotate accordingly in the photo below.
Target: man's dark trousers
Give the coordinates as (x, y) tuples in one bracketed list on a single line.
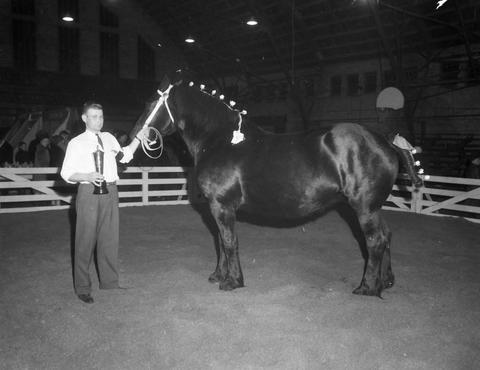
[(96, 225)]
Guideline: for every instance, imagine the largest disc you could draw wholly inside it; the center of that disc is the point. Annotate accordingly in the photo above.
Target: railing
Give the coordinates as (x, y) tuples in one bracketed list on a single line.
[(40, 189), (441, 196)]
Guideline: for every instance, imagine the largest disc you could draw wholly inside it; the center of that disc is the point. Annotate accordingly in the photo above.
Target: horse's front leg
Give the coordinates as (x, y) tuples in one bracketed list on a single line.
[(225, 219)]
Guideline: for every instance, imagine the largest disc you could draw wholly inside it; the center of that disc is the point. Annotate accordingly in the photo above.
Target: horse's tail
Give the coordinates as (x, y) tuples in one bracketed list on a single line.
[(406, 158)]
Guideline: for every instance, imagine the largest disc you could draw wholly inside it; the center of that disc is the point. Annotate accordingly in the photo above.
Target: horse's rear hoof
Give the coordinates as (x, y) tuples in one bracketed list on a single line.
[(364, 289), (228, 285), (215, 278), (388, 284)]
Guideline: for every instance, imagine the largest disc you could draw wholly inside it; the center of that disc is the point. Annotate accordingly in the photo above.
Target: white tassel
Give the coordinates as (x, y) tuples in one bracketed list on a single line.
[(202, 86), (191, 84), (222, 97), (214, 92), (238, 136), (232, 103)]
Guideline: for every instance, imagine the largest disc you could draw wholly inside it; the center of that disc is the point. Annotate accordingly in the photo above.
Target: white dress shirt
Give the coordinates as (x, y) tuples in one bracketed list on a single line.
[(79, 156)]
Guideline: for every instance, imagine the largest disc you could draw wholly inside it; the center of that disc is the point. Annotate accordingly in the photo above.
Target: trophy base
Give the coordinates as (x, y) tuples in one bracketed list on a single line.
[(102, 189)]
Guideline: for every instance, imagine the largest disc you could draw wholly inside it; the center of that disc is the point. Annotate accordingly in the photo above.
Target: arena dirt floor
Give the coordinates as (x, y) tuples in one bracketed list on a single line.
[(296, 311)]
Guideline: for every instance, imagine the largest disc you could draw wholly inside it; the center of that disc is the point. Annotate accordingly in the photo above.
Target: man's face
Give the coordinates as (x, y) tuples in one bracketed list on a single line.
[(93, 119)]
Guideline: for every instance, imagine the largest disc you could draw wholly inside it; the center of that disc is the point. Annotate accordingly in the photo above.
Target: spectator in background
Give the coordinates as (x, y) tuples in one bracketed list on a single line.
[(57, 153), (473, 167), (21, 157), (42, 154), (122, 138), (32, 147), (6, 153), (65, 135)]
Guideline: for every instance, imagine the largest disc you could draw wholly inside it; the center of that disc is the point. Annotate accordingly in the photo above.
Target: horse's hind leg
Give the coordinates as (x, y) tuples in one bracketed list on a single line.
[(388, 279), (378, 272), (221, 270), (225, 219)]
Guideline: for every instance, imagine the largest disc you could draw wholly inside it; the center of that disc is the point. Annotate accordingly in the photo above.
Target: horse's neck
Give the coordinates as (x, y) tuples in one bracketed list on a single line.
[(199, 140), (205, 126)]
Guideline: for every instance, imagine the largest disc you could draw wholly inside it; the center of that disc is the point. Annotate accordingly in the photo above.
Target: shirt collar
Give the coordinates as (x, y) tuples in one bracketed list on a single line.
[(91, 134)]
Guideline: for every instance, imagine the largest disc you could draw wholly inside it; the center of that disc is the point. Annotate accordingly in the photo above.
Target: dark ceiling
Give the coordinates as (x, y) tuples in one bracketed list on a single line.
[(298, 34)]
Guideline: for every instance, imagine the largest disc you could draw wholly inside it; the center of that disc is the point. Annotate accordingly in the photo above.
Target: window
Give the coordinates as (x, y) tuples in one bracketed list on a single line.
[(69, 46), (370, 82), (309, 87), (109, 54), (336, 85), (410, 74), (23, 7), (146, 60), (68, 7), (352, 84), (24, 50), (107, 17), (388, 78)]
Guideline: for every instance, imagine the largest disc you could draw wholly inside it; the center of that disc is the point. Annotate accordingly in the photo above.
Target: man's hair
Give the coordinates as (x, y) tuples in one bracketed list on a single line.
[(91, 104)]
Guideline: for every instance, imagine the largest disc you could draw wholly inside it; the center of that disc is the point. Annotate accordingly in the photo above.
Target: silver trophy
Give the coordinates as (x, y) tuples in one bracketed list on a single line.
[(98, 159)]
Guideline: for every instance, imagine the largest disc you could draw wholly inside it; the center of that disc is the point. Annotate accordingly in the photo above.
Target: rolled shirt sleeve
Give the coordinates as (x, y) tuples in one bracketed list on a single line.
[(72, 163)]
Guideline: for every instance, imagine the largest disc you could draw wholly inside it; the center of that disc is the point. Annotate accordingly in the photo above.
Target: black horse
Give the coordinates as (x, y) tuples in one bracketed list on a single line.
[(289, 176)]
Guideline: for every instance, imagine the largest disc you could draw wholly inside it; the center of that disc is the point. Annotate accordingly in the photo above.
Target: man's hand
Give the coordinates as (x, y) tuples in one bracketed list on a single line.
[(95, 178), (143, 134)]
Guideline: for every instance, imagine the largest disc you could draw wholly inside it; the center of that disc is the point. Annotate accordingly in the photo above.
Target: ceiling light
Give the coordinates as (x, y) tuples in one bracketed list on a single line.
[(252, 21), (189, 40), (67, 18)]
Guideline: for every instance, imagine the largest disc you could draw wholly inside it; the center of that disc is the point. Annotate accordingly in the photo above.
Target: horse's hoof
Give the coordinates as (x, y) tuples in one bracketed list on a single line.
[(364, 289), (388, 284), (228, 285), (214, 278)]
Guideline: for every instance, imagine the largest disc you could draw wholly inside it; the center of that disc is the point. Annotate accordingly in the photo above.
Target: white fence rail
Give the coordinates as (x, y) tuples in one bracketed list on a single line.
[(39, 189), (441, 196)]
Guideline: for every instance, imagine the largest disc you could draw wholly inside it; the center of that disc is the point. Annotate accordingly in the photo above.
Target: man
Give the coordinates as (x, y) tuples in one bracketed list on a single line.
[(97, 215)]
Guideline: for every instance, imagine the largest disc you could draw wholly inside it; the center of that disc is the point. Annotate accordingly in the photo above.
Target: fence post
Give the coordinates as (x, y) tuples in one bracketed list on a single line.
[(417, 196), (144, 187)]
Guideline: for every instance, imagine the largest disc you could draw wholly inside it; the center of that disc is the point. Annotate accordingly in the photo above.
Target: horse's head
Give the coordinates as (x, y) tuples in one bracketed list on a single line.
[(179, 105), (158, 110)]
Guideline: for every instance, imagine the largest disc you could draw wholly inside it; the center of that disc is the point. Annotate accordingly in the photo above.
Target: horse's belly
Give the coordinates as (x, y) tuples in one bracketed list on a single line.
[(288, 204)]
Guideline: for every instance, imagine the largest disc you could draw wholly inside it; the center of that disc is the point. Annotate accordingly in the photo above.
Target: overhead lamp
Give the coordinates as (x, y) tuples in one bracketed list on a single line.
[(67, 18), (252, 21), (189, 40)]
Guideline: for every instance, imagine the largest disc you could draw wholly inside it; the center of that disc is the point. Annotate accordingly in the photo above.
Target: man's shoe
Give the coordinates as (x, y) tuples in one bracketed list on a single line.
[(87, 298)]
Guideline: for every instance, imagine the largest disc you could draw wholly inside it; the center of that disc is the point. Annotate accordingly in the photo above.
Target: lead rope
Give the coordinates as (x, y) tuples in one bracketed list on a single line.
[(148, 145)]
